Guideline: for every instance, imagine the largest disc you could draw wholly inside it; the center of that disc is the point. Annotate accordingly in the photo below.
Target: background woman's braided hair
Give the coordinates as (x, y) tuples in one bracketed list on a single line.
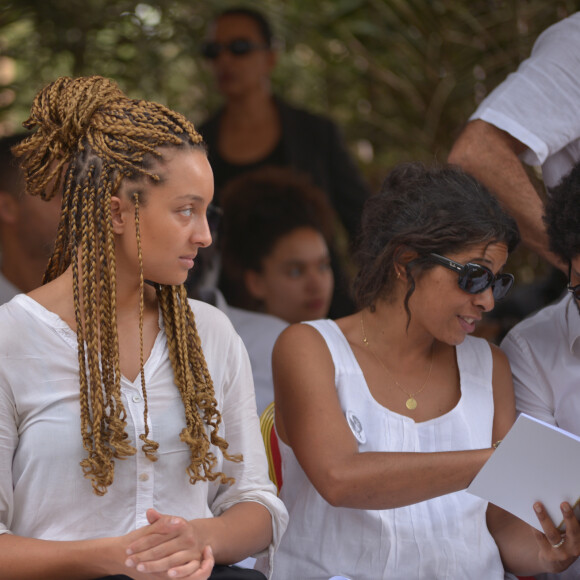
[(89, 138)]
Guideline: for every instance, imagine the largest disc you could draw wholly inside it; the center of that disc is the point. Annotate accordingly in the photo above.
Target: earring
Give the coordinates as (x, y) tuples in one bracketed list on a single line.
[(398, 275)]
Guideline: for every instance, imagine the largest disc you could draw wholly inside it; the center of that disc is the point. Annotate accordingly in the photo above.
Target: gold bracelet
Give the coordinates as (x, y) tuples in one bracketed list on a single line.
[(496, 444)]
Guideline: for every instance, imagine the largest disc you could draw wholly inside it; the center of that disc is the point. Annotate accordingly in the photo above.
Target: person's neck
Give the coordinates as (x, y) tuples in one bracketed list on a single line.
[(128, 297), (250, 109), (393, 338)]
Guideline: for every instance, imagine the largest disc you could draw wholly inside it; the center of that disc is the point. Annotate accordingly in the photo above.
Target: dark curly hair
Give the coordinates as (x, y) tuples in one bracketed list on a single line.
[(259, 19), (440, 209), (259, 208), (562, 216)]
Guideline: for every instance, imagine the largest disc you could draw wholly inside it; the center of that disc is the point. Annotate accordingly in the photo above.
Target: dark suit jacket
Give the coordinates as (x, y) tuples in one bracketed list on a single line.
[(314, 145)]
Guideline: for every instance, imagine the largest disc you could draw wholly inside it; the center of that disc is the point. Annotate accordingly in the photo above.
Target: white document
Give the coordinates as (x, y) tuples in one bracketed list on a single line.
[(535, 462)]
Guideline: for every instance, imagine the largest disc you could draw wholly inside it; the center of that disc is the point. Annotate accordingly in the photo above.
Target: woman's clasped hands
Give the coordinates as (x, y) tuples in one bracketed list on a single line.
[(169, 547)]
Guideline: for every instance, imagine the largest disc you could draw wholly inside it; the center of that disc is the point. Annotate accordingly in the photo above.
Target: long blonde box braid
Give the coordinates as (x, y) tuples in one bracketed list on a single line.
[(89, 138)]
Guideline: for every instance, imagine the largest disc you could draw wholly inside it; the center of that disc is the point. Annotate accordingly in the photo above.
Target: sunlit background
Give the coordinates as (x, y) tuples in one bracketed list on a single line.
[(400, 76)]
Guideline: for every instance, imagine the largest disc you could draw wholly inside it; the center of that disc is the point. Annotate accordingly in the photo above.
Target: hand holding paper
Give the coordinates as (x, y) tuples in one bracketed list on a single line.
[(535, 462)]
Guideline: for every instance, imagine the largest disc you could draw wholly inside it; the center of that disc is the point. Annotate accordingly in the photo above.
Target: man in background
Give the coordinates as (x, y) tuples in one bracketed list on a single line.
[(256, 128), (531, 117), (544, 349), (27, 228)]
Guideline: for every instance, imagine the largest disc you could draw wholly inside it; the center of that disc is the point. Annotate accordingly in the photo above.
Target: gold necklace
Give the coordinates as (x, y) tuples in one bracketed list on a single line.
[(411, 402)]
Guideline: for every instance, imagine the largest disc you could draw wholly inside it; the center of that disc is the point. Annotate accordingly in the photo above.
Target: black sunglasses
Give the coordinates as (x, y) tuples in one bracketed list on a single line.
[(574, 289), (475, 278), (238, 47)]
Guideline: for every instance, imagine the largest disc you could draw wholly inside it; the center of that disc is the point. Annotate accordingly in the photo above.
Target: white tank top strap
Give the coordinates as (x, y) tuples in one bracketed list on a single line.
[(340, 350)]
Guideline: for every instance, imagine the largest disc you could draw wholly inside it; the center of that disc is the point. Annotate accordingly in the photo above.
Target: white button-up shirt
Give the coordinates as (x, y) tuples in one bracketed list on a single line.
[(43, 493), (538, 104), (544, 354)]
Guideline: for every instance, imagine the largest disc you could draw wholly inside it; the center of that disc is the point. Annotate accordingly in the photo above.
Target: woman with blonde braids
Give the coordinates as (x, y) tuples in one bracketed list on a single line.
[(168, 473)]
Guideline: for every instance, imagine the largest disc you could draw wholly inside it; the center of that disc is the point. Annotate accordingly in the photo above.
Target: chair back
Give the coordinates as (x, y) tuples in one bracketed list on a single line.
[(271, 445)]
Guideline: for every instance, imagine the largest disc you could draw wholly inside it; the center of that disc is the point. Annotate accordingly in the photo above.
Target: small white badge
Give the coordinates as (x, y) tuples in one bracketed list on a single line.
[(356, 427)]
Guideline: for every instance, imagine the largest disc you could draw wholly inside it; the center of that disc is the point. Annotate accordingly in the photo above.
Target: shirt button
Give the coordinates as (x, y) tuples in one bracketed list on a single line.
[(143, 477), (136, 399)]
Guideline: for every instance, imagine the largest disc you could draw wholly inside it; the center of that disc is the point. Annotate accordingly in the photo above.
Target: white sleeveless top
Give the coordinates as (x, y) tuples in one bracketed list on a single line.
[(443, 538)]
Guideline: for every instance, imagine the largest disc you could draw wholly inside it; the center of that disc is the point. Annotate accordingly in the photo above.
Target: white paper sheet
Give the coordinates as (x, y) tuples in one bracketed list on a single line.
[(535, 462)]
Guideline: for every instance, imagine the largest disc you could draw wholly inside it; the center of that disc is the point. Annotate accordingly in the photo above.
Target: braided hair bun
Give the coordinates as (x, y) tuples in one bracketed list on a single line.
[(73, 114)]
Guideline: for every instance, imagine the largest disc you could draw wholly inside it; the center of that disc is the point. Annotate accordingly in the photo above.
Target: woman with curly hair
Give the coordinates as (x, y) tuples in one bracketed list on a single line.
[(385, 416), (168, 473)]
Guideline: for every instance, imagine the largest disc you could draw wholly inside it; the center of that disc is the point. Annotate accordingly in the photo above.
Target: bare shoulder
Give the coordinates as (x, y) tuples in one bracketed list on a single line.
[(304, 390), (502, 374), (299, 337), (503, 393), (500, 360), (303, 365)]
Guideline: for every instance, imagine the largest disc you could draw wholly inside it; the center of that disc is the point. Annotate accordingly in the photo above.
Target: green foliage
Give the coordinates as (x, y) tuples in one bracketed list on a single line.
[(400, 76)]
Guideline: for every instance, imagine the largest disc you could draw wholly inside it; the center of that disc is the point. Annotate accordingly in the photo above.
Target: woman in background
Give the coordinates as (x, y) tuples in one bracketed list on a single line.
[(274, 239)]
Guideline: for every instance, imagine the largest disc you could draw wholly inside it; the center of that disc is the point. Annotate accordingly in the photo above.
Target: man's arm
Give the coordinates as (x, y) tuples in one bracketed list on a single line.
[(491, 156)]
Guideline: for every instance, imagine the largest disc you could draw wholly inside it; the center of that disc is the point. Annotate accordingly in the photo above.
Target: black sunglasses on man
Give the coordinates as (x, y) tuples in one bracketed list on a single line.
[(238, 47)]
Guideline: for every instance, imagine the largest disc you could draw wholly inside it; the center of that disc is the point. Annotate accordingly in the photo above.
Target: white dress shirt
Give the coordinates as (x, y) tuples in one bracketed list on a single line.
[(538, 104), (544, 354), (43, 493)]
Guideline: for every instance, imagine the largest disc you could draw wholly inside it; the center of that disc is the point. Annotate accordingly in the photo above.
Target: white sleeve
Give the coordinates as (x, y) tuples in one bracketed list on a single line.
[(8, 444), (533, 393), (240, 427), (538, 104)]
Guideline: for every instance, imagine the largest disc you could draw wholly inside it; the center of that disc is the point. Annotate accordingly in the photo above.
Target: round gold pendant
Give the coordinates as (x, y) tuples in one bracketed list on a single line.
[(411, 404)]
